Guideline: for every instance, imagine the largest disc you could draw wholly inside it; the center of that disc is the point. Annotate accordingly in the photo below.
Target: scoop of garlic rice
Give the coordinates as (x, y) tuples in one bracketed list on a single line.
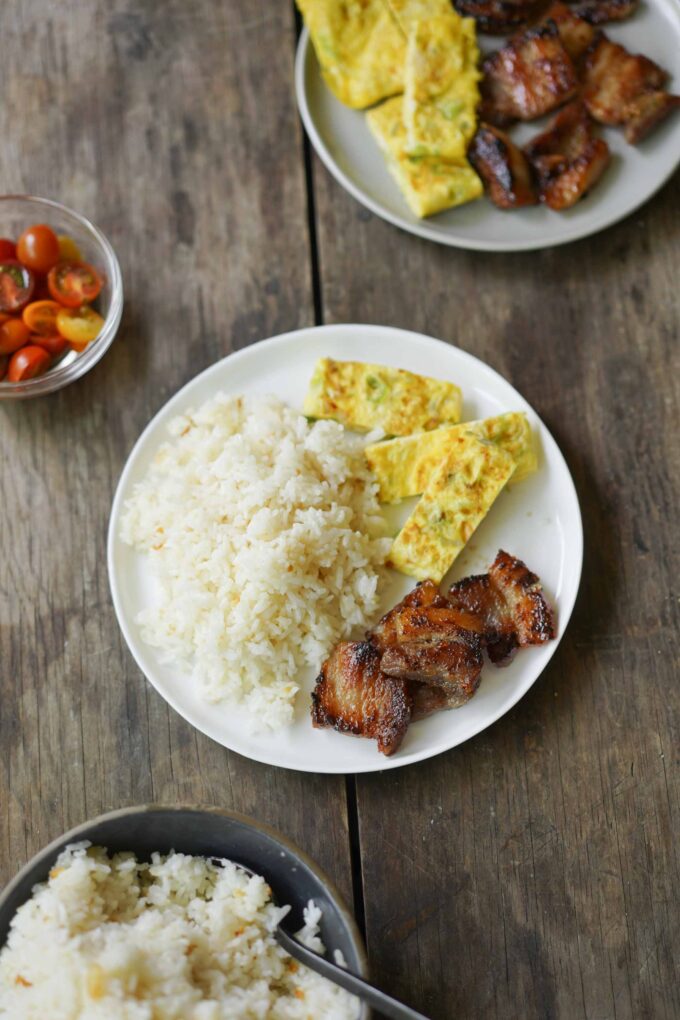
[(179, 938), (266, 539)]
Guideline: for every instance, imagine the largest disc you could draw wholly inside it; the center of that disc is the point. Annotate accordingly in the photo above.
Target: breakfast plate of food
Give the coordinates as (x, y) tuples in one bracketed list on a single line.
[(328, 561), (494, 126)]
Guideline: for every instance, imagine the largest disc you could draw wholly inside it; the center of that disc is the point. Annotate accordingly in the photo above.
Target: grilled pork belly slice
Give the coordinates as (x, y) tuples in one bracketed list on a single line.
[(425, 639), (645, 112), (598, 12), (567, 157), (626, 89), (575, 33), (499, 16), (504, 169), (428, 699), (353, 695), (523, 595), (453, 666), (424, 614), (510, 602), (530, 76)]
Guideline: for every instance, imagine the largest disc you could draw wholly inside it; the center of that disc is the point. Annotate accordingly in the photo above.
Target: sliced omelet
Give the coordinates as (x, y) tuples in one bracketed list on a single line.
[(360, 48), (428, 184), (441, 86), (404, 466), (458, 496), (406, 12), (363, 396)]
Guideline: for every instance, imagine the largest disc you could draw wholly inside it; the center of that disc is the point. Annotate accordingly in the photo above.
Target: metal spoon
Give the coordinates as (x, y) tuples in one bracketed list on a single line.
[(388, 1006)]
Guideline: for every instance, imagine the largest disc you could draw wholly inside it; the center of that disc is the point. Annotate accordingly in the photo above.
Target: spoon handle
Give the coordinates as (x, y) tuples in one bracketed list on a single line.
[(388, 1006)]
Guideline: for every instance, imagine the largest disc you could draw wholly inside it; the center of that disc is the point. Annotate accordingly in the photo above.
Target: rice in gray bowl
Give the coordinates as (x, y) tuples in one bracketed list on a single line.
[(176, 938)]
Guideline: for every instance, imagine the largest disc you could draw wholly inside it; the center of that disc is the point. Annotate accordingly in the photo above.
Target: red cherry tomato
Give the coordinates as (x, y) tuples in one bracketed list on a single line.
[(16, 285), (41, 317), (38, 248), (8, 249), (74, 283), (13, 334), (54, 345), (4, 361), (27, 363)]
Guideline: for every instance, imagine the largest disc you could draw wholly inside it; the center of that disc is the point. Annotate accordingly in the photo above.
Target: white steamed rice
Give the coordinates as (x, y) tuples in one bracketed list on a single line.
[(177, 939), (266, 537)]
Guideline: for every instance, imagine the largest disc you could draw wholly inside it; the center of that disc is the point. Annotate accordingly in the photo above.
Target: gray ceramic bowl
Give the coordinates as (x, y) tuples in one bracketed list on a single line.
[(207, 831)]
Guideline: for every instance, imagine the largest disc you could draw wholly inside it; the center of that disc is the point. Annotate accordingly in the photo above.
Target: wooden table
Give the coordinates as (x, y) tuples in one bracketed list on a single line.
[(532, 872)]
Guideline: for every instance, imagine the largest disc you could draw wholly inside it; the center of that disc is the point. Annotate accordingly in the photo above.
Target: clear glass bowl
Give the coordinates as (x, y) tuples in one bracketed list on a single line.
[(20, 211)]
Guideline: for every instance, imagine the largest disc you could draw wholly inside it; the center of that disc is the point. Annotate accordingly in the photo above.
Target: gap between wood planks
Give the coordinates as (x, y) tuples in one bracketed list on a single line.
[(350, 781)]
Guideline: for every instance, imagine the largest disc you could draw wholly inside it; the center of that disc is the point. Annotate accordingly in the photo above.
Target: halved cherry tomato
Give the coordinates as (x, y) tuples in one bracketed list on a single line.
[(16, 285), (27, 363), (74, 283), (80, 326), (4, 362), (54, 345), (13, 334), (68, 249), (8, 249), (41, 317), (38, 248)]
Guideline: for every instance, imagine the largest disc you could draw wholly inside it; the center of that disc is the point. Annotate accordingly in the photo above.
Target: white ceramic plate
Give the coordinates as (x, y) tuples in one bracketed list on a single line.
[(538, 520), (344, 143)]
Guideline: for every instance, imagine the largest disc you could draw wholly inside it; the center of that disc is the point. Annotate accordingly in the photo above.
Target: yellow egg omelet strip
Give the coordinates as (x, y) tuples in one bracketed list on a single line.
[(441, 86), (404, 466), (459, 495), (363, 396), (360, 47), (406, 12), (429, 185)]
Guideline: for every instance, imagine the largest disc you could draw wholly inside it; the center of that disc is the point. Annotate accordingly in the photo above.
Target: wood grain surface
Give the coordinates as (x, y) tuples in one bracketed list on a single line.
[(173, 127), (531, 873)]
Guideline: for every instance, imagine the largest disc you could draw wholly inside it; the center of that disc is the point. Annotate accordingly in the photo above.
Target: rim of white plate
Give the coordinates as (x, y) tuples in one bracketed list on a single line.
[(135, 643), (422, 229)]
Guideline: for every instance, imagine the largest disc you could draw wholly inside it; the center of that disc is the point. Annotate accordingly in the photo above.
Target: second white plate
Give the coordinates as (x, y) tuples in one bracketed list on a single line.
[(538, 520), (343, 141)]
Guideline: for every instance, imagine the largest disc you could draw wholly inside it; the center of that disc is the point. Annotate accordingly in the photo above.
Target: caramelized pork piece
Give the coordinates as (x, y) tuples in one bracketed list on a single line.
[(504, 169), (424, 638), (523, 595), (453, 666), (567, 157), (532, 75), (499, 16), (625, 88), (510, 601), (428, 699), (353, 696), (598, 12), (575, 33), (645, 112), (477, 595), (424, 614)]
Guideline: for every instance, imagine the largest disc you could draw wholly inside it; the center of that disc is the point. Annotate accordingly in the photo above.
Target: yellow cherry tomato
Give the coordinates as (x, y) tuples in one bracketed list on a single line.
[(80, 326), (68, 249)]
